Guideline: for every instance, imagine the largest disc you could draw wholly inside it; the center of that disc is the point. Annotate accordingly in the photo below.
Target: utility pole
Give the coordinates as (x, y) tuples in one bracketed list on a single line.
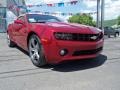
[(98, 13), (102, 14)]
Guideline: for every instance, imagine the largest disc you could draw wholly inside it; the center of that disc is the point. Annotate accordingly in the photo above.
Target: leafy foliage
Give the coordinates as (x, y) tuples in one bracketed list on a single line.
[(109, 23), (82, 19)]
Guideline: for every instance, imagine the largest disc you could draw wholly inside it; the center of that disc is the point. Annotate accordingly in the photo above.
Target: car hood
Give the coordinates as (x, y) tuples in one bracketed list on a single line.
[(67, 27), (73, 28)]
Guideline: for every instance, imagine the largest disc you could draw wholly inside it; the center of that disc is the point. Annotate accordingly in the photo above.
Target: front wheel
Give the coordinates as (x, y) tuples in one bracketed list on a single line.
[(36, 51), (116, 34)]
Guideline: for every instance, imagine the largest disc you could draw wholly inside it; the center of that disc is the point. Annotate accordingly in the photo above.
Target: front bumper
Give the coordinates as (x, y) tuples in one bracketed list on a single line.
[(77, 50)]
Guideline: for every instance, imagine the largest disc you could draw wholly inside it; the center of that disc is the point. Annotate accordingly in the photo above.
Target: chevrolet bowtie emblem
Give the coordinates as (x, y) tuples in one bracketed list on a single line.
[(93, 37)]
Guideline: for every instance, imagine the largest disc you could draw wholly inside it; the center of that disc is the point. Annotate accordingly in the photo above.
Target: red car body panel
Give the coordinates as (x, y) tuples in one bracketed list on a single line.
[(45, 31)]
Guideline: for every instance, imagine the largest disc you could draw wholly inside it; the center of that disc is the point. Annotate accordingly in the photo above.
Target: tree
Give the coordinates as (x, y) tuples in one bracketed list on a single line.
[(82, 19), (118, 20)]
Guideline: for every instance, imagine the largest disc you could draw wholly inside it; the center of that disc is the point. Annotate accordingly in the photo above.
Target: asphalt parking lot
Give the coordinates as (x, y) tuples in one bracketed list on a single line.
[(18, 73)]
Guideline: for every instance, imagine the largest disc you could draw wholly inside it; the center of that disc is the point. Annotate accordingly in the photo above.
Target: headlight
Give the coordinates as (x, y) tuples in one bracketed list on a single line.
[(100, 36), (63, 36)]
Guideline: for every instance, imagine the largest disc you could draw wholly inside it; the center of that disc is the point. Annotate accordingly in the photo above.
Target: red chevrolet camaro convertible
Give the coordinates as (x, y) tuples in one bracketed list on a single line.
[(50, 40)]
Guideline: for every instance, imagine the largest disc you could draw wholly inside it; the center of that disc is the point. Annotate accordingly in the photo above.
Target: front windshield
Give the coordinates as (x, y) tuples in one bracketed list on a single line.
[(36, 18)]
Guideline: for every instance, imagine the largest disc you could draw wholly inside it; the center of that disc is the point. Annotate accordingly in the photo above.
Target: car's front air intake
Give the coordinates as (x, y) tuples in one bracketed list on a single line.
[(78, 37), (87, 52)]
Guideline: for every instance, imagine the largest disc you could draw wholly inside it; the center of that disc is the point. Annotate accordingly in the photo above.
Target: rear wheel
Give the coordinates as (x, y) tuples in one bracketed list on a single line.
[(9, 42), (36, 51)]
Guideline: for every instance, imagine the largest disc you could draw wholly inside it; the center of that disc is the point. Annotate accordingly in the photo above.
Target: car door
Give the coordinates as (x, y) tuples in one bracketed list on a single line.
[(22, 33), (15, 29)]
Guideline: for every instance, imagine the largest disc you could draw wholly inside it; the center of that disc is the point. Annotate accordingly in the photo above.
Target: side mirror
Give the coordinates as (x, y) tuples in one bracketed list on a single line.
[(19, 22)]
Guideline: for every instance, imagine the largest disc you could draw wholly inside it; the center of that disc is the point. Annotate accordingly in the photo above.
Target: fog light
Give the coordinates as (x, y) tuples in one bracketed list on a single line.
[(63, 52)]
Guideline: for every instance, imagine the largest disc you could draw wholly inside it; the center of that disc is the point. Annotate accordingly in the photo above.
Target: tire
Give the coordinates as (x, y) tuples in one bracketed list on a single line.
[(108, 35), (9, 42), (115, 35), (36, 51), (118, 34)]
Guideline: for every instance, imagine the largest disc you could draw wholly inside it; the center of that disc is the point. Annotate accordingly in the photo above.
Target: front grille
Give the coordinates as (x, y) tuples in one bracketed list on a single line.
[(87, 52), (78, 36), (87, 37)]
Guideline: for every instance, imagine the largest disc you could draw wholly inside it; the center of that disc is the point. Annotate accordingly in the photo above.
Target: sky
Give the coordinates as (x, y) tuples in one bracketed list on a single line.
[(112, 7)]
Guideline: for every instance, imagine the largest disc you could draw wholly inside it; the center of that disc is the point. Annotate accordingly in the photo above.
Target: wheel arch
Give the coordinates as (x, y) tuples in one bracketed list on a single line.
[(29, 35)]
